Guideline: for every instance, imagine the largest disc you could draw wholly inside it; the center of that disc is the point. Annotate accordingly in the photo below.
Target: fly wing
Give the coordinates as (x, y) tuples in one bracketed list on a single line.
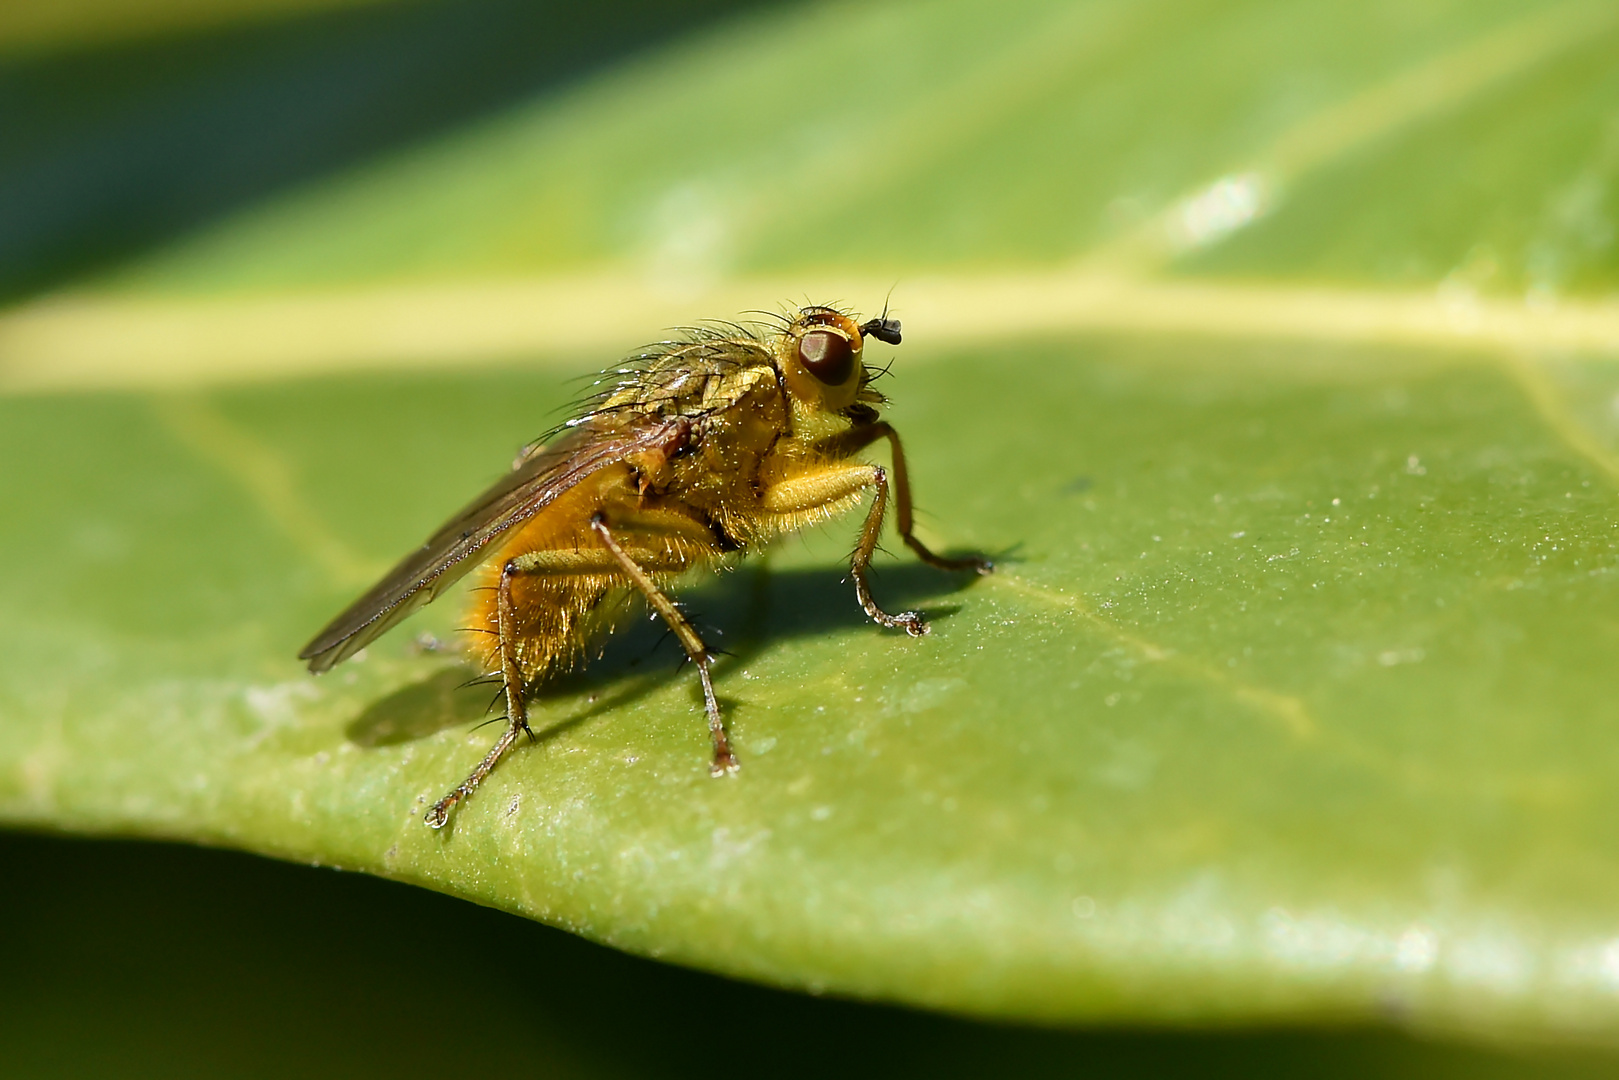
[(449, 553)]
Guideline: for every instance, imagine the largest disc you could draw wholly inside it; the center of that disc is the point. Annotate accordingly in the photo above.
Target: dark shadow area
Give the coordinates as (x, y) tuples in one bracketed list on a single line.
[(740, 613), (136, 960), (107, 151), (450, 697)]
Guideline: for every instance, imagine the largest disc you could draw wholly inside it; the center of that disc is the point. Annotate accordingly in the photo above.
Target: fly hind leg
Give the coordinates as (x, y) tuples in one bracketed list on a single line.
[(724, 760), (564, 563)]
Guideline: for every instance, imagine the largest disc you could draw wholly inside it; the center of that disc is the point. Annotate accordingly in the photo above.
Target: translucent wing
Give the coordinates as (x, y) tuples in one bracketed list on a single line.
[(455, 549)]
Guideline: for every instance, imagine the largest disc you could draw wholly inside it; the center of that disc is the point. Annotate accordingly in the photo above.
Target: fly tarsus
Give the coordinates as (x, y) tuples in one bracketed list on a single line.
[(439, 815), (912, 622), (725, 762)]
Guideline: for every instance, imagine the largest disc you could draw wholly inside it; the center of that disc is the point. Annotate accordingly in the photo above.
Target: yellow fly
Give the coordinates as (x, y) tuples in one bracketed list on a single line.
[(693, 450)]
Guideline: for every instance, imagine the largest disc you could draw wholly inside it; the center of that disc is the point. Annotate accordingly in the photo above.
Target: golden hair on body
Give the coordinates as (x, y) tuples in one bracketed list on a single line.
[(693, 450)]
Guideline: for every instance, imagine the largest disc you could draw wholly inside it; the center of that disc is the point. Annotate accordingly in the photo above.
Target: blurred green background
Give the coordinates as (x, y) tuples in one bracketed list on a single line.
[(1271, 346)]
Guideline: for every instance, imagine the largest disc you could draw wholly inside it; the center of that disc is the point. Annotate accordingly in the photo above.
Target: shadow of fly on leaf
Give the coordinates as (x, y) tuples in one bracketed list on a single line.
[(756, 610), (689, 453)]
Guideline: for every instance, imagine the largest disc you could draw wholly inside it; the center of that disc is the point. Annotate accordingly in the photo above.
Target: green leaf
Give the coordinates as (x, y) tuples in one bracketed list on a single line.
[(1292, 435)]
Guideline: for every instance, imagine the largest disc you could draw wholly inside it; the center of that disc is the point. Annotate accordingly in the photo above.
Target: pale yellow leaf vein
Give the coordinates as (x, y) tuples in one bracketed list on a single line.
[(1553, 409), (1295, 717), (1288, 710), (266, 478), (97, 343)]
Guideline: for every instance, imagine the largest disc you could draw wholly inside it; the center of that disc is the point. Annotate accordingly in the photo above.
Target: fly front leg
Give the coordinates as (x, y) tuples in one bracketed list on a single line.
[(862, 437), (902, 515), (724, 760), (819, 491), (511, 675), (911, 622)]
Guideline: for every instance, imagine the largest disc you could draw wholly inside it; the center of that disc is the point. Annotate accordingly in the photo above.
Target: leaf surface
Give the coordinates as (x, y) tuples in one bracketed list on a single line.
[(1290, 697)]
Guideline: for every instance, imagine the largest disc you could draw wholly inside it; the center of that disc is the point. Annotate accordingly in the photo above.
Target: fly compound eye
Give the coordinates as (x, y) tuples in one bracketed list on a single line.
[(826, 355)]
